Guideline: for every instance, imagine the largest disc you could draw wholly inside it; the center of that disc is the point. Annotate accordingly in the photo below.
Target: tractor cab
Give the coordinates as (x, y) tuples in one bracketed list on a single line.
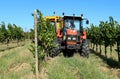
[(73, 27), (72, 22)]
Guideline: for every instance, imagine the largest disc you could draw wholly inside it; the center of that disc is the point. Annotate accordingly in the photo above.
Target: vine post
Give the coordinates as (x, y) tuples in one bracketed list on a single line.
[(36, 45)]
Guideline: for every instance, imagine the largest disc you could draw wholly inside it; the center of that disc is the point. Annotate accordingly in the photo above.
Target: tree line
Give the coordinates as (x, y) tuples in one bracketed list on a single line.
[(12, 32), (107, 33)]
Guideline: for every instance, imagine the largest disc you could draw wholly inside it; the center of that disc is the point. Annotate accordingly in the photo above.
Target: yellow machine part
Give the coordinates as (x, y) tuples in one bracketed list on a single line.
[(54, 19)]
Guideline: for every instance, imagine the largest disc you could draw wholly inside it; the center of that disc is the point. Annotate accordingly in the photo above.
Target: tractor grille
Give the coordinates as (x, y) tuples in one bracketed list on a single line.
[(72, 38)]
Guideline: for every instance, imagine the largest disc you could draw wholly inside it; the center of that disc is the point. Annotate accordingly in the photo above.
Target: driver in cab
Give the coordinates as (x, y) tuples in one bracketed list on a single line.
[(72, 25)]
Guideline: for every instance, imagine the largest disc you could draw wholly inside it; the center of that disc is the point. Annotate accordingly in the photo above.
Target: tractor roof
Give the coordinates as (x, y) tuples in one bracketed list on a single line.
[(73, 17)]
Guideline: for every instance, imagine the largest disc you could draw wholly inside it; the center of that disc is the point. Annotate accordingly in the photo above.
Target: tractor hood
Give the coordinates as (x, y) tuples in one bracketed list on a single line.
[(71, 32)]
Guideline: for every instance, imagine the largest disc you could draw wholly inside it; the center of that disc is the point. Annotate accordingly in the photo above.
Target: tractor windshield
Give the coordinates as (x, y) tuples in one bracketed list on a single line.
[(72, 24)]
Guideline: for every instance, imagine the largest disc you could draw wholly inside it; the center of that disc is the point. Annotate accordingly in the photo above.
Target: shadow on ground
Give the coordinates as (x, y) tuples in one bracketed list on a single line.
[(8, 48), (111, 62)]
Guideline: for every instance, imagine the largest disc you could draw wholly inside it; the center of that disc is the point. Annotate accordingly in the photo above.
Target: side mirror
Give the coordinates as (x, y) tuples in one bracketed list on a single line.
[(87, 22)]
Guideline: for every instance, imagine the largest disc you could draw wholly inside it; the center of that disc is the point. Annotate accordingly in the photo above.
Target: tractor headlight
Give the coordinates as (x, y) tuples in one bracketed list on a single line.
[(69, 38), (74, 38)]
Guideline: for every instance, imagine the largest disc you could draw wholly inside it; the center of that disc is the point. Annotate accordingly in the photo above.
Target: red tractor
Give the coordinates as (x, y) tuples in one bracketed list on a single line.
[(71, 37)]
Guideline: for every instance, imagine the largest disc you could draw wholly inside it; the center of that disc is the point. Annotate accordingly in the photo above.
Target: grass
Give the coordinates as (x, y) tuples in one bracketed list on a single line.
[(114, 52), (15, 63), (111, 61), (79, 68), (11, 45)]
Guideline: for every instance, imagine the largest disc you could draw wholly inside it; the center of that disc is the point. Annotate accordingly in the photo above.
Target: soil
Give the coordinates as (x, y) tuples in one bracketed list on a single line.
[(18, 68)]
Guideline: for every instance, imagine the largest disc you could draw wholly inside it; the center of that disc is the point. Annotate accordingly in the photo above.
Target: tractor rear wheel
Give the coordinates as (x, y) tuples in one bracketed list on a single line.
[(85, 49), (56, 49)]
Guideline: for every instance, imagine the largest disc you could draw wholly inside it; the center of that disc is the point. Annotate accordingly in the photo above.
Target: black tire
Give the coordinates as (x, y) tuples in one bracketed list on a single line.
[(68, 53), (55, 51), (65, 53), (85, 49)]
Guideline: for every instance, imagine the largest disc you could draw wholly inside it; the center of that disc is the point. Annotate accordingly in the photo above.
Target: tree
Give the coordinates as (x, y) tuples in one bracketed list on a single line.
[(101, 38), (18, 33), (112, 33), (106, 36), (46, 35), (10, 31), (97, 37), (1, 35), (4, 32), (31, 33), (117, 38), (94, 33), (91, 34)]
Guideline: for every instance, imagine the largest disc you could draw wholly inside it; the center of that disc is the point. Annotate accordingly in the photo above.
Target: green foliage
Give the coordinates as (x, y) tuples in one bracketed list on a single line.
[(12, 32), (104, 32), (31, 33), (117, 38), (46, 35), (3, 31), (1, 36), (112, 30), (107, 33), (18, 32), (40, 52)]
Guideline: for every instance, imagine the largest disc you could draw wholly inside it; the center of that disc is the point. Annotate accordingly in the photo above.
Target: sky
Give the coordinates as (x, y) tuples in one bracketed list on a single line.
[(19, 11)]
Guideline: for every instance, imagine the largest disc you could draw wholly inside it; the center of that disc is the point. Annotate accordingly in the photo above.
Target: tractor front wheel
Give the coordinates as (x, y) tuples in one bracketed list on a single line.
[(68, 53), (85, 49)]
